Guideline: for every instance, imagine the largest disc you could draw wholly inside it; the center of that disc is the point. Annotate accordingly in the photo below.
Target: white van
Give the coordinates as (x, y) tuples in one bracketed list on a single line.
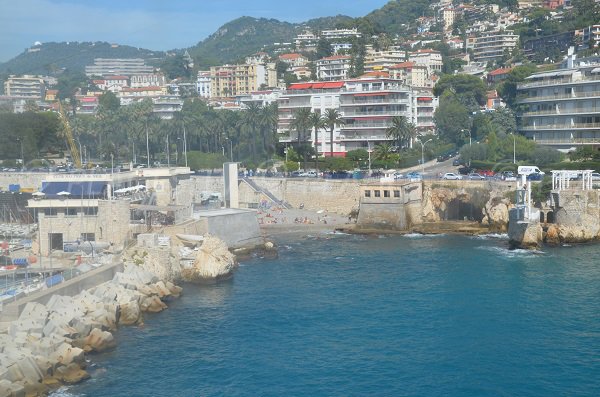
[(528, 170)]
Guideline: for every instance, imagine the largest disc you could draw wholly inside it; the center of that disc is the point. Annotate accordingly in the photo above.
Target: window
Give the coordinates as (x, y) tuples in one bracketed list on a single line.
[(50, 211), (386, 193), (367, 193), (90, 211), (377, 193), (71, 211), (396, 193), (88, 237)]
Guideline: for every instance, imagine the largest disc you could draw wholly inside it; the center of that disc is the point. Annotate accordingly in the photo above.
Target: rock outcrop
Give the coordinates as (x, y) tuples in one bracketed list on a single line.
[(495, 214), (213, 262)]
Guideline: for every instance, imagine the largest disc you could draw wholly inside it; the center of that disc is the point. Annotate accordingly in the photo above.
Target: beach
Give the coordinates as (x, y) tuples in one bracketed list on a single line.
[(294, 220)]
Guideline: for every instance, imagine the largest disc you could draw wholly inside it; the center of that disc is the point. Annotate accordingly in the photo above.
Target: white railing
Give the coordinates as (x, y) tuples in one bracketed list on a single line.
[(560, 126)]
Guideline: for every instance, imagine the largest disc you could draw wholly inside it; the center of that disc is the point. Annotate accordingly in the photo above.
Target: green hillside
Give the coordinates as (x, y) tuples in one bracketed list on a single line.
[(49, 58)]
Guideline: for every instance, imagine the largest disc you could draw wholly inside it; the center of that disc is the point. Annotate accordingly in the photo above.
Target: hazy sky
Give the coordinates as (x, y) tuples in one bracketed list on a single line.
[(151, 24)]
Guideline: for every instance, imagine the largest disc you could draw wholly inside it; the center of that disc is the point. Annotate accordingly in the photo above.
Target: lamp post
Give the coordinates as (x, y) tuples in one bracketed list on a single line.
[(185, 145), (514, 148), (22, 158), (369, 153), (423, 154)]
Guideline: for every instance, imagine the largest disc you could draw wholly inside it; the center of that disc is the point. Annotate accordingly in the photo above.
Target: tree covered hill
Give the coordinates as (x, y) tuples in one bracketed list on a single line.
[(247, 35), (49, 58)]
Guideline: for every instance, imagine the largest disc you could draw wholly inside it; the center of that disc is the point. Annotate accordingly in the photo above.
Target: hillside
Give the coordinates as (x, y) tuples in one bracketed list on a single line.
[(390, 17), (48, 58), (247, 35)]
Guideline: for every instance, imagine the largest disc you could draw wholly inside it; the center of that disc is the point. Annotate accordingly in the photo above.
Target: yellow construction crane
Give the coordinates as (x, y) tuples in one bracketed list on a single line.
[(69, 136)]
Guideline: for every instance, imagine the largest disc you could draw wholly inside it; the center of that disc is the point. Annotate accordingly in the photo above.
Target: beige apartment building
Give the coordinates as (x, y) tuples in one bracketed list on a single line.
[(232, 80), (32, 87)]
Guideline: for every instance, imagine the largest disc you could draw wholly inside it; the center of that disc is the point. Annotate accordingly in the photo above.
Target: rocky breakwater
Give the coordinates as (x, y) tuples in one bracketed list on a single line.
[(46, 346)]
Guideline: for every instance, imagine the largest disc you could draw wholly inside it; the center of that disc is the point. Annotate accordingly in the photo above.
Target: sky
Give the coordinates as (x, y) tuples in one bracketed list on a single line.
[(151, 24)]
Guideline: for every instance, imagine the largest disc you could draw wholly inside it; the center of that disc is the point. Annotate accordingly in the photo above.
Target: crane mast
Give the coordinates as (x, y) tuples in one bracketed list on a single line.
[(69, 136)]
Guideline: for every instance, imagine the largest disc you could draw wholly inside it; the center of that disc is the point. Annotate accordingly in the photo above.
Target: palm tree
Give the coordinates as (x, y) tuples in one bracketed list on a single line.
[(384, 153), (332, 118), (301, 125), (317, 122), (251, 121), (270, 117), (402, 131)]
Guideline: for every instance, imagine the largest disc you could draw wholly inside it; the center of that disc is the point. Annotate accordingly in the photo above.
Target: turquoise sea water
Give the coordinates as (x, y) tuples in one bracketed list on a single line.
[(340, 315)]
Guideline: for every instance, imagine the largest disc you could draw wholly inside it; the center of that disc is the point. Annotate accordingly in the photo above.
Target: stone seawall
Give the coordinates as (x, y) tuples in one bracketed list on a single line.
[(31, 180)]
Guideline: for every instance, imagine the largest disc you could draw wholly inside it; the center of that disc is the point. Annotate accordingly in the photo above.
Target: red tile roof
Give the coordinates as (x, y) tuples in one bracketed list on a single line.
[(500, 71), (290, 56), (335, 57), (403, 65)]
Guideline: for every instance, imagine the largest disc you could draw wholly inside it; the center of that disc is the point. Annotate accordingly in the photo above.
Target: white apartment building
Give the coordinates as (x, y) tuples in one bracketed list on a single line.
[(165, 106), (432, 59), (147, 80), (562, 107), (340, 33), (490, 46), (306, 41), (112, 83), (368, 106), (110, 66), (339, 47), (333, 68), (203, 84), (31, 87), (383, 60), (318, 97)]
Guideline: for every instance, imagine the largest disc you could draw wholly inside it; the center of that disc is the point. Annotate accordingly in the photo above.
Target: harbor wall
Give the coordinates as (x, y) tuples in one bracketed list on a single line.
[(11, 311)]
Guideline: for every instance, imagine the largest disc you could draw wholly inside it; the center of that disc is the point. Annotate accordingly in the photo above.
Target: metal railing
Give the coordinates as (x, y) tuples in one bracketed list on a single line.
[(562, 112), (560, 126), (547, 83), (574, 95)]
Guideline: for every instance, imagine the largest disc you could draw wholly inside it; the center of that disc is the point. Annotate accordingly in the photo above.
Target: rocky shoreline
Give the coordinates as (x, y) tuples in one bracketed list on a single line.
[(46, 346)]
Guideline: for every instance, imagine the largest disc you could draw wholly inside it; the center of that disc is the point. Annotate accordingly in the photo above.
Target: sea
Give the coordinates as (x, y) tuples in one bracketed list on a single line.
[(349, 315)]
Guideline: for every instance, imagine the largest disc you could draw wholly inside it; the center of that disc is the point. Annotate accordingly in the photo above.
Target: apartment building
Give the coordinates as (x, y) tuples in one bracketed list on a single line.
[(383, 60), (147, 80), (592, 33), (30, 87), (411, 74), (432, 59), (490, 46), (114, 66), (340, 33), (203, 84), (368, 106), (333, 68), (318, 97), (294, 59), (112, 83), (306, 41), (562, 107), (447, 17), (232, 80)]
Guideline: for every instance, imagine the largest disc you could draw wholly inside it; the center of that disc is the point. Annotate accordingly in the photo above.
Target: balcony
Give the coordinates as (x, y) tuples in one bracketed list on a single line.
[(363, 137), (556, 127), (562, 112), (553, 82), (382, 101), (348, 113), (567, 141), (372, 124), (558, 97)]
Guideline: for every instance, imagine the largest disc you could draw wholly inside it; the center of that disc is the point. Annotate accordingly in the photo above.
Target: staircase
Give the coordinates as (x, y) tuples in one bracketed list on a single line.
[(267, 193)]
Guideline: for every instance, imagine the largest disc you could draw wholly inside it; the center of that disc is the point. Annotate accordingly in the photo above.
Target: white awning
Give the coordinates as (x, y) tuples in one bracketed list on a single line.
[(595, 70)]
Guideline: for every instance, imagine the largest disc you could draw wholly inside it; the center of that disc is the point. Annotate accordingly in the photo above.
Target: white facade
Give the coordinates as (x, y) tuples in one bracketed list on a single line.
[(562, 107), (147, 80), (333, 68), (430, 58), (110, 66), (340, 33), (26, 86), (491, 46), (203, 84)]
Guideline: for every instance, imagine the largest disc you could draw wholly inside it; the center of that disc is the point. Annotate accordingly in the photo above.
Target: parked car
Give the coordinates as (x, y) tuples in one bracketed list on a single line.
[(535, 177), (476, 177), (595, 176), (451, 176), (398, 175), (456, 162), (414, 176), (508, 176), (465, 170)]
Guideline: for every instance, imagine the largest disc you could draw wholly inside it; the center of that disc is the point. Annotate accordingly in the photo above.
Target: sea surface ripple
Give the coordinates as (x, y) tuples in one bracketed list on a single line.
[(342, 315)]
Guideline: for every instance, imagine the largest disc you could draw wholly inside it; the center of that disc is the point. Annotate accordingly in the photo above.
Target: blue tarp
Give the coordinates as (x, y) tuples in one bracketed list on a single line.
[(56, 279), (77, 189)]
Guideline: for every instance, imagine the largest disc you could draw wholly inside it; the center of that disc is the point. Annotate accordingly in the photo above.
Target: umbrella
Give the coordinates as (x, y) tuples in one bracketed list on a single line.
[(38, 194), (63, 193)]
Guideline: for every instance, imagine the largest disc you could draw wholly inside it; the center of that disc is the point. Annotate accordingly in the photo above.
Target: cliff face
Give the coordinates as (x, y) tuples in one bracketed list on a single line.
[(577, 217)]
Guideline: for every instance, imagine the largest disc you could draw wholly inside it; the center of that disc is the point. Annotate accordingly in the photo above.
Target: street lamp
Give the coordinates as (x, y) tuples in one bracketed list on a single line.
[(230, 148), (423, 153), (369, 153), (22, 158), (468, 132), (514, 148)]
